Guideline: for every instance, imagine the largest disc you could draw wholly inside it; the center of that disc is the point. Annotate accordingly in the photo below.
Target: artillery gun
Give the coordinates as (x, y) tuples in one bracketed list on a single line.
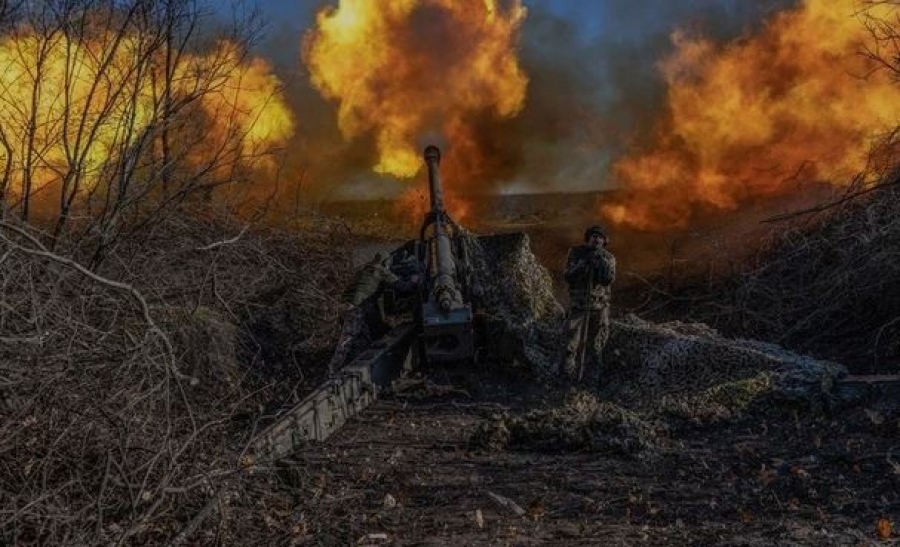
[(446, 319), (436, 325)]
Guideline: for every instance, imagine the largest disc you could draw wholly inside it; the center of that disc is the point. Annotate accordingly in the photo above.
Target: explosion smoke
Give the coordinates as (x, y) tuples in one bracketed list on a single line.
[(587, 98), (795, 102), (404, 71)]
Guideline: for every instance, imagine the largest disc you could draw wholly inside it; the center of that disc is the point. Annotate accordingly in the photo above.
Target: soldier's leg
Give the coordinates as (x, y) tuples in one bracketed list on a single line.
[(572, 367), (598, 337)]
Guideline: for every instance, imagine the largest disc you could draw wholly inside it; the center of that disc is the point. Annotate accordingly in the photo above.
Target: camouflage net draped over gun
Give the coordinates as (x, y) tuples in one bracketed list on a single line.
[(650, 366), (581, 422), (692, 372), (519, 300)]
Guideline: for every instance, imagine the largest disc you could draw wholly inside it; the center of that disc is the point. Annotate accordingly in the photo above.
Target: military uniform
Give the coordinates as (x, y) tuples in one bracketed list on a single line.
[(369, 280), (589, 273), (364, 312)]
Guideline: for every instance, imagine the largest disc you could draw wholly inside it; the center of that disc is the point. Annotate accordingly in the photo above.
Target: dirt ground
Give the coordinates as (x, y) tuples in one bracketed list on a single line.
[(406, 473)]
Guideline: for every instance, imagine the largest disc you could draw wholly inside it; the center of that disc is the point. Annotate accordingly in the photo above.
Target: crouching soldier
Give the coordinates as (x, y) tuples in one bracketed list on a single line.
[(590, 270), (363, 317)]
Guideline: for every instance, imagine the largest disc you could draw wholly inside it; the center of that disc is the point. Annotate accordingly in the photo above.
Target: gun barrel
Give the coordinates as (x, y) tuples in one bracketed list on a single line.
[(436, 191), (447, 320), (443, 267)]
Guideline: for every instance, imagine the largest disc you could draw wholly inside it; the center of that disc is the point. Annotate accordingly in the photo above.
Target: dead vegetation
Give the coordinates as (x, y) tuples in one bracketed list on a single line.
[(142, 349), (129, 393), (825, 282)]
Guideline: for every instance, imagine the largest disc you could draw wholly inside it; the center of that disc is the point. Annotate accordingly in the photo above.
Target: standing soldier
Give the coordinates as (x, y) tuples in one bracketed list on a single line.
[(590, 270)]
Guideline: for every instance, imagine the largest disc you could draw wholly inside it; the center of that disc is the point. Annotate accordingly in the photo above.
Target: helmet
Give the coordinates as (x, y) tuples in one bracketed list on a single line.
[(595, 230)]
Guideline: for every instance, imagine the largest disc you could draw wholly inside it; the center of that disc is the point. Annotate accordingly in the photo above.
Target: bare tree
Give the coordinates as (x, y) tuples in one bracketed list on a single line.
[(124, 111)]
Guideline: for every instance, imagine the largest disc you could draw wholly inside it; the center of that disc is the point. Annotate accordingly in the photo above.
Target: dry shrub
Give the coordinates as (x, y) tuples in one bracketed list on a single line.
[(278, 286), (125, 393), (823, 281), (826, 283), (829, 285)]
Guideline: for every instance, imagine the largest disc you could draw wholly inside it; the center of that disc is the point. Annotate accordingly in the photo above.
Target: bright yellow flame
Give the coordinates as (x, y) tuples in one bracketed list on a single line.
[(402, 69), (796, 100), (55, 111), (70, 108), (243, 104)]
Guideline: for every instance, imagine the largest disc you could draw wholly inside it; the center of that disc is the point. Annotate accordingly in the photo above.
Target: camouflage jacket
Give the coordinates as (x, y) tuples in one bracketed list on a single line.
[(368, 282), (589, 273)]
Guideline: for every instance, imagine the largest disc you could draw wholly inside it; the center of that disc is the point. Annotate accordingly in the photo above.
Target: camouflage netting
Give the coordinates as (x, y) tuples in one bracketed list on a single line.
[(656, 375), (690, 370), (660, 376), (519, 296)]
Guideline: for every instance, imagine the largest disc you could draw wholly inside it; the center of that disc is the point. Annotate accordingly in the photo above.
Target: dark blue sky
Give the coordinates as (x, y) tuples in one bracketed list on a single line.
[(616, 19)]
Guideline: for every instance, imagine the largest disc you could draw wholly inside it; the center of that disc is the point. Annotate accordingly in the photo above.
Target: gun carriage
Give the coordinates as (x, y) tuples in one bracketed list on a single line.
[(435, 324)]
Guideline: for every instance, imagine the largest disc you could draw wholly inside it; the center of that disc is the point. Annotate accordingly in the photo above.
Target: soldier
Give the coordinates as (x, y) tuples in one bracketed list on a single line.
[(403, 296), (369, 280), (360, 308), (590, 270), (363, 313)]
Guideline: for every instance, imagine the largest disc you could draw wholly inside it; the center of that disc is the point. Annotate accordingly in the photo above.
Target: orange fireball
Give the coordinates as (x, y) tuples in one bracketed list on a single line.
[(795, 102), (72, 108), (409, 72)]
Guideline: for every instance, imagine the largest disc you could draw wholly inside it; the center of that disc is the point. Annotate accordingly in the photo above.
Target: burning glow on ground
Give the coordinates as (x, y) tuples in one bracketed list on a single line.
[(75, 108), (796, 102), (407, 70)]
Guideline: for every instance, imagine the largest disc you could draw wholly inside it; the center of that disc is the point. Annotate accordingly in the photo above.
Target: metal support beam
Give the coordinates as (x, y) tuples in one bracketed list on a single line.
[(342, 396)]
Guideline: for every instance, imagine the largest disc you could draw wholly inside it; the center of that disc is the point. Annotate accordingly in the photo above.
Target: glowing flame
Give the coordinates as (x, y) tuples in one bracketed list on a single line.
[(405, 69), (795, 102), (243, 105), (74, 107), (415, 204)]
